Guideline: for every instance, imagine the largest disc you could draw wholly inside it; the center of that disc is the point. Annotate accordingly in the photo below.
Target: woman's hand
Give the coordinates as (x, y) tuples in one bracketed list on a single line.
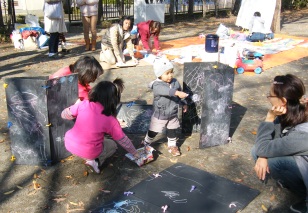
[(184, 108), (261, 168), (274, 112)]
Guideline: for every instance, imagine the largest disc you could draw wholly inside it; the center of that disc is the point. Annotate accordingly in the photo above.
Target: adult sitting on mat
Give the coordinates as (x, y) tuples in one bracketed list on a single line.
[(257, 29), (113, 42), (147, 30)]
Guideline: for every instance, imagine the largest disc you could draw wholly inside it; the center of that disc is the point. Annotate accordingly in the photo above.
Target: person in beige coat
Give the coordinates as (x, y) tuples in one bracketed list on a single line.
[(113, 42), (54, 26), (89, 11)]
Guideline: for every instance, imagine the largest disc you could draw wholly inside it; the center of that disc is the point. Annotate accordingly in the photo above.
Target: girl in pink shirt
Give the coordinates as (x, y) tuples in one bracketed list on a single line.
[(95, 118), (88, 69)]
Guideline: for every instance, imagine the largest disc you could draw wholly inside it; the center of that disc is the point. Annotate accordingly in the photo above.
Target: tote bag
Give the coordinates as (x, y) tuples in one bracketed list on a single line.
[(53, 10)]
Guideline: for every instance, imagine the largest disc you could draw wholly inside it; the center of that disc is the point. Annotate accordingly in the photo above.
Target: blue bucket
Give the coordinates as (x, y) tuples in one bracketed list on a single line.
[(211, 43)]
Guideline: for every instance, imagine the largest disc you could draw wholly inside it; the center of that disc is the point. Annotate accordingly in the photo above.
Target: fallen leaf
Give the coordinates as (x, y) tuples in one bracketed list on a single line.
[(85, 173), (36, 185), (20, 187), (68, 177), (272, 198), (75, 204), (238, 180), (235, 156), (174, 160), (188, 148), (58, 200), (1, 140), (35, 176), (254, 132), (264, 208), (9, 192), (62, 161)]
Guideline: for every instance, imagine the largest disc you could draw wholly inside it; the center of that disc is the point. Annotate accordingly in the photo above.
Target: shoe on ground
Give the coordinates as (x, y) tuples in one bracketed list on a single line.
[(299, 207), (174, 151), (92, 165), (56, 56), (65, 51)]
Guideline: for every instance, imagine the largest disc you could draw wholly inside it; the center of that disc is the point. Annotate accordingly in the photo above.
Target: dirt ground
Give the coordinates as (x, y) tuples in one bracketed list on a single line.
[(66, 187)]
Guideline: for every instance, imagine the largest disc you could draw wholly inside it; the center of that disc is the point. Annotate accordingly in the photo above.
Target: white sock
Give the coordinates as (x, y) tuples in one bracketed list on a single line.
[(148, 140), (171, 142)]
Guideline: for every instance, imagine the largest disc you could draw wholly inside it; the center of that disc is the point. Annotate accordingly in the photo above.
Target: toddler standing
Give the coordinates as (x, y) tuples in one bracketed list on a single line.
[(167, 96), (95, 118)]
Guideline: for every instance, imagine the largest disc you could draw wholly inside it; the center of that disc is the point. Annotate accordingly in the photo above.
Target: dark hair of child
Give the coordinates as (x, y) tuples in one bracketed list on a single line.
[(107, 94), (258, 14), (155, 25), (88, 69), (127, 18), (291, 88)]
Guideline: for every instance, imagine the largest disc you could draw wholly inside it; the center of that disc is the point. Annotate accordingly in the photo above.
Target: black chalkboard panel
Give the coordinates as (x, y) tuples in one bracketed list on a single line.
[(28, 117), (210, 88), (61, 93), (34, 111), (212, 193), (137, 117)]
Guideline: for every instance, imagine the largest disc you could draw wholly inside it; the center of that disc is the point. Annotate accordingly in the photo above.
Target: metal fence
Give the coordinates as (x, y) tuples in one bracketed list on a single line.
[(7, 10), (126, 8)]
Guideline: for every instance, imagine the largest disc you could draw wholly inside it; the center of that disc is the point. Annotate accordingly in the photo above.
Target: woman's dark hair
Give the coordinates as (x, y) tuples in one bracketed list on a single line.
[(107, 94), (153, 25), (258, 14), (127, 18), (292, 89), (88, 69)]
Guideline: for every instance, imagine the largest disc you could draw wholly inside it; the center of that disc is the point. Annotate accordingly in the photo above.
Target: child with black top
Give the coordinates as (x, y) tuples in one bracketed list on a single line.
[(167, 96)]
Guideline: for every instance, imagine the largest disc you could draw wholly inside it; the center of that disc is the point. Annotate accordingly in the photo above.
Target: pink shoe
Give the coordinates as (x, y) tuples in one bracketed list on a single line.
[(92, 166), (174, 151)]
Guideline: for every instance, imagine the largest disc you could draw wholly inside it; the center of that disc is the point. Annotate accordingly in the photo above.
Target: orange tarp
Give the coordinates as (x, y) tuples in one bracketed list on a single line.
[(269, 61)]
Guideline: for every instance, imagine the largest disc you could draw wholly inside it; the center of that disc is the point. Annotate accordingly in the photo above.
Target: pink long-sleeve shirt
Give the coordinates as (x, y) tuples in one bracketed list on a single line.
[(86, 138)]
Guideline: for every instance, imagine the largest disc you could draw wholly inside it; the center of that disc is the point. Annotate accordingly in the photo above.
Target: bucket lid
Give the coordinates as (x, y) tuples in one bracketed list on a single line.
[(211, 36)]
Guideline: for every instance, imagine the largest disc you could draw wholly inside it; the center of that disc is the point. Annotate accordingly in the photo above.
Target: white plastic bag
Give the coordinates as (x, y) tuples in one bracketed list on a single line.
[(53, 11), (32, 20), (222, 31)]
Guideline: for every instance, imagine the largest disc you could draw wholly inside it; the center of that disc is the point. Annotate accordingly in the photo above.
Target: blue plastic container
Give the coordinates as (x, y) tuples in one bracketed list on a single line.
[(211, 43)]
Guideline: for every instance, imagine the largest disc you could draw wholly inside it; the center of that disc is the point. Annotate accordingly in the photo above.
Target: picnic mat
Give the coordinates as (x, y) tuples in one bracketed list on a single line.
[(281, 50)]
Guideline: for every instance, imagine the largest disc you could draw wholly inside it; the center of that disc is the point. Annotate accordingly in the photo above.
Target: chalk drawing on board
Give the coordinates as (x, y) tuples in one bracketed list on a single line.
[(136, 117), (24, 113), (122, 206)]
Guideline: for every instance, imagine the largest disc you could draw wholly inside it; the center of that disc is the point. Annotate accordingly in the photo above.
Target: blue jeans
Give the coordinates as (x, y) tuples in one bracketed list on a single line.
[(286, 171), (255, 37), (54, 42)]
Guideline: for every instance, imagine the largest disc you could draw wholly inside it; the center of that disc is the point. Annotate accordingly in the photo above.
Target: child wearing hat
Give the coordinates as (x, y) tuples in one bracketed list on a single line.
[(167, 97)]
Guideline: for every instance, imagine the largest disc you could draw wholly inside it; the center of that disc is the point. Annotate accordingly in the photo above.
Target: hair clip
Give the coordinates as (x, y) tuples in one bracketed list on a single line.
[(277, 82)]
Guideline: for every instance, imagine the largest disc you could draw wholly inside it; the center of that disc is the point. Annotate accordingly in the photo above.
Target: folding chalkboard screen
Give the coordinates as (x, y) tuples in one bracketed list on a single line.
[(210, 88), (212, 193), (34, 111)]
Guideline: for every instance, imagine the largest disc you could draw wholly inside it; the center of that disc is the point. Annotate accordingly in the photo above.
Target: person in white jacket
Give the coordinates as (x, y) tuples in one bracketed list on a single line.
[(54, 26), (257, 29), (89, 11)]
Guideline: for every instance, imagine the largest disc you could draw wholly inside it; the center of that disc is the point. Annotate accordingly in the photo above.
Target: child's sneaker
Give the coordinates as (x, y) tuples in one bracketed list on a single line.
[(143, 144), (174, 150), (93, 166)]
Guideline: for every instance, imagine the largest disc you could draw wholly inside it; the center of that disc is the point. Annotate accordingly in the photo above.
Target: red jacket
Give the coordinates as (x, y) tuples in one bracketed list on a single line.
[(144, 34)]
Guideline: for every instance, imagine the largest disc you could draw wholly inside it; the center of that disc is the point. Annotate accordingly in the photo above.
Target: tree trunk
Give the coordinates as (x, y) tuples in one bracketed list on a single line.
[(1, 18), (204, 8), (171, 11), (190, 8), (276, 19), (216, 8), (100, 16)]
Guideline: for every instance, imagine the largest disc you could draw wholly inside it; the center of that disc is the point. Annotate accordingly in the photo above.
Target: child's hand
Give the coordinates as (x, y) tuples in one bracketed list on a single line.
[(136, 156), (181, 94), (184, 108)]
